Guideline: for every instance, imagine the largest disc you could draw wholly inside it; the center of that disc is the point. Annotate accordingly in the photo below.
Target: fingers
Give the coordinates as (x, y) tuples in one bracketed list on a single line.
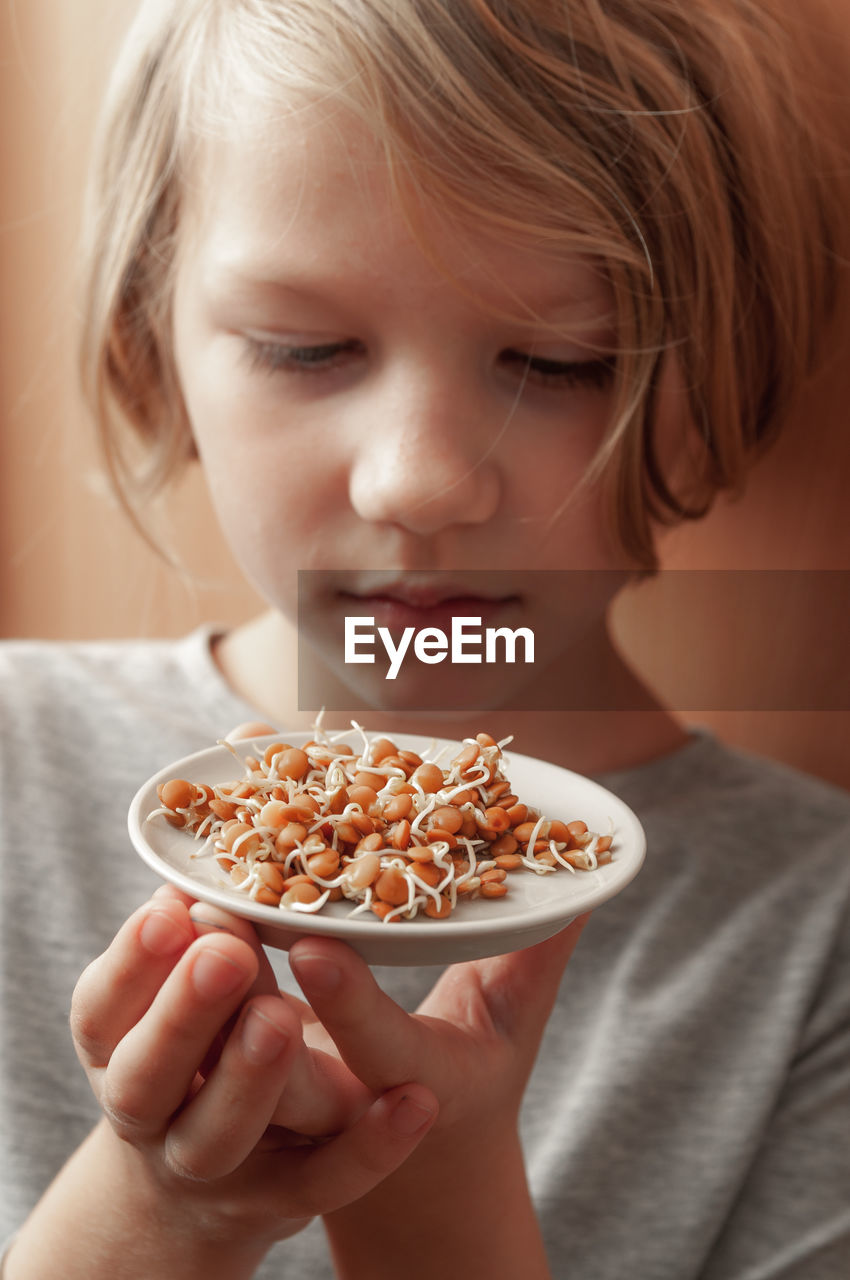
[(322, 1097), (153, 1067), (380, 1043), (351, 1165), (208, 919), (119, 986), (218, 1130)]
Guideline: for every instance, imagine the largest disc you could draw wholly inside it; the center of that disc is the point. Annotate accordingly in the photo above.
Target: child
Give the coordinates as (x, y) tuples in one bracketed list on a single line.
[(434, 285)]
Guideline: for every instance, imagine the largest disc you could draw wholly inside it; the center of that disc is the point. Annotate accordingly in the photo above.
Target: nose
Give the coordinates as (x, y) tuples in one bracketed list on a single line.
[(426, 460)]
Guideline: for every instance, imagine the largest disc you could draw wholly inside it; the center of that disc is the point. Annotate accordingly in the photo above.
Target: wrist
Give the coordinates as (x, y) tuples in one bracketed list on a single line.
[(462, 1195), (138, 1229)]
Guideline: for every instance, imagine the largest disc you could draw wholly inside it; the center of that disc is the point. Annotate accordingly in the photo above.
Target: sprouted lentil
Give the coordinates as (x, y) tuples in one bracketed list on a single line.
[(387, 830)]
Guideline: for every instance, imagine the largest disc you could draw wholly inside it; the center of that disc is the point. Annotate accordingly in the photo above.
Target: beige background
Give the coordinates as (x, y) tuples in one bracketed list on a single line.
[(70, 567)]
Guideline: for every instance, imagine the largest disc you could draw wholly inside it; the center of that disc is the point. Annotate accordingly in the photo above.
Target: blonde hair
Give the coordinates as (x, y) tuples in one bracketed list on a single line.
[(662, 138)]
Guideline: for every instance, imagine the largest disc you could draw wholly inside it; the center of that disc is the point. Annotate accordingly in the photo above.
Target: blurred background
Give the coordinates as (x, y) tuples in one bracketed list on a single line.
[(71, 567)]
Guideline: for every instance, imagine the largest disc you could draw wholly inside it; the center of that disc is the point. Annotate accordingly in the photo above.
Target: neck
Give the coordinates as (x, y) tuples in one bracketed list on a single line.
[(259, 660)]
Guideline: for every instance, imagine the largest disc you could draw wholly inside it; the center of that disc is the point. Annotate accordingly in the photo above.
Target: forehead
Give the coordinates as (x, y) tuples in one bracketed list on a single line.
[(306, 191)]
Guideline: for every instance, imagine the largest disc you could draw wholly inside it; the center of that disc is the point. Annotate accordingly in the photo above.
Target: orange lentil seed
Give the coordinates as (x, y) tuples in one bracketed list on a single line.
[(337, 800), (428, 872), (508, 861), (438, 910), (362, 822), (273, 814), (293, 763), (223, 809), (271, 875), (303, 893), (401, 834), (436, 836), (362, 871), (365, 778), (290, 835), (497, 819), (397, 807), (524, 831), (371, 842), (429, 777), (291, 881), (447, 817), (268, 897), (466, 758), (364, 796), (420, 853), (391, 886), (231, 834), (177, 794), (324, 864)]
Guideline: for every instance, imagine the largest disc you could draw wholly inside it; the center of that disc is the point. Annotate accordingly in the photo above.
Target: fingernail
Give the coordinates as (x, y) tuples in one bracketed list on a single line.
[(262, 1040), (215, 974), (202, 925), (161, 935), (409, 1116), (321, 976)]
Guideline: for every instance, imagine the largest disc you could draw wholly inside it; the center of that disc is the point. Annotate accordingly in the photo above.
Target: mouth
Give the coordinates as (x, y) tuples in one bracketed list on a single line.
[(427, 604)]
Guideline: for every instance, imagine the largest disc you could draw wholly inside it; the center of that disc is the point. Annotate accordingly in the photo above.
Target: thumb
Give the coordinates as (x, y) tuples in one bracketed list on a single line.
[(349, 1166), (250, 729), (520, 988)]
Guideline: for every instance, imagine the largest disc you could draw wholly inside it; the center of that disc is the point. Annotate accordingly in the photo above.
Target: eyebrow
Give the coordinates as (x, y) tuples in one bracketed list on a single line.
[(252, 279), (249, 279)]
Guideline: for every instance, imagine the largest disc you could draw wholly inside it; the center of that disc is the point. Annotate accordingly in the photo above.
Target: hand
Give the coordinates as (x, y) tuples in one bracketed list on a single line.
[(482, 1022), (473, 1040), (145, 1016)]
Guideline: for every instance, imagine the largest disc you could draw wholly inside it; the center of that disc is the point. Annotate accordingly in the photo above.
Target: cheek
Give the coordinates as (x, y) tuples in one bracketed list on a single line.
[(559, 515), (271, 510)]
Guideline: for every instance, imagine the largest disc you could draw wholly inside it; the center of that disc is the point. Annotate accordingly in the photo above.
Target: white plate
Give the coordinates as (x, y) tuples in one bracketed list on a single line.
[(537, 906)]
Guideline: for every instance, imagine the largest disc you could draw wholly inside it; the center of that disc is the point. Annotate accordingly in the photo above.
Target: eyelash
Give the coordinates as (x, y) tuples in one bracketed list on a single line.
[(273, 357)]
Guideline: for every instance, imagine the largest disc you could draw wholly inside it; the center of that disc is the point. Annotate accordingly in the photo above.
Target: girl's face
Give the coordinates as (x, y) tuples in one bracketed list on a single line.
[(356, 411)]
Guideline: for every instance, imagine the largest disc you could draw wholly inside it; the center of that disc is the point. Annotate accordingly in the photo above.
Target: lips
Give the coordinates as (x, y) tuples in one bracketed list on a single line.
[(426, 605)]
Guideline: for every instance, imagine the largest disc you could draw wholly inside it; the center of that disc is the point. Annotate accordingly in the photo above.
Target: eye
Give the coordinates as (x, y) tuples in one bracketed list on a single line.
[(279, 357), (597, 373)]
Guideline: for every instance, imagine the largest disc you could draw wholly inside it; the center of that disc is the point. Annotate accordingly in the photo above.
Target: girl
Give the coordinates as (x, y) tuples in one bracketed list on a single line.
[(430, 287)]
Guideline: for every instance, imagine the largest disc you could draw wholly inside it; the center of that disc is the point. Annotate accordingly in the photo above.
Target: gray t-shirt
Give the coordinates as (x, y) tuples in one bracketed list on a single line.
[(689, 1115)]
